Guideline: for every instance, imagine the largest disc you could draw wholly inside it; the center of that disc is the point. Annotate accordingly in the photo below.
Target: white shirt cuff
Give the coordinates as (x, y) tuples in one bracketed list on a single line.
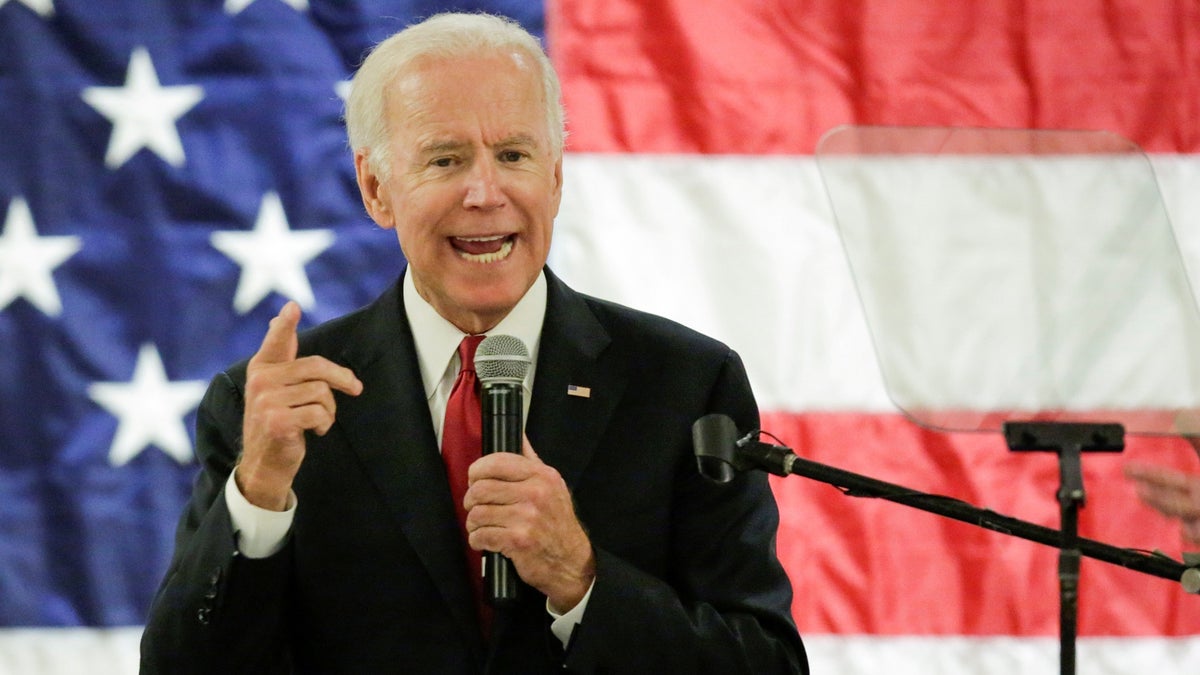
[(260, 532), (564, 625)]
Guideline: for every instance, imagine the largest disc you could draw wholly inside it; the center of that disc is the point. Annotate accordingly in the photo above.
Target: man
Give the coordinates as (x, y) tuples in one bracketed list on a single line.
[(322, 536)]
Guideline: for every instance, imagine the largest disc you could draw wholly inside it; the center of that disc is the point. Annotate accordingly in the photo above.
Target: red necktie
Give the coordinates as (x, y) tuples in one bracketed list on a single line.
[(462, 444)]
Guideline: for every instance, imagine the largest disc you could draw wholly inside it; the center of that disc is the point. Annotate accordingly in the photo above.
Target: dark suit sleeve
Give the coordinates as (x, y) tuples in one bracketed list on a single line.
[(216, 611), (726, 604)]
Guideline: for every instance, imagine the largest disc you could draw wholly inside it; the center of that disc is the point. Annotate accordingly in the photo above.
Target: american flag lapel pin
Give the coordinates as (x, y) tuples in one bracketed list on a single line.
[(581, 392)]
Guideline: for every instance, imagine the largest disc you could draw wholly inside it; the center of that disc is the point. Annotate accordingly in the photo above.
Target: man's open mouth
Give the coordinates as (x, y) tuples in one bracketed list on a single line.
[(483, 249)]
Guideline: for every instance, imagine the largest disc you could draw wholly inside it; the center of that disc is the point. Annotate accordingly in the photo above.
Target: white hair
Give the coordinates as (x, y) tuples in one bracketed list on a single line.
[(441, 36)]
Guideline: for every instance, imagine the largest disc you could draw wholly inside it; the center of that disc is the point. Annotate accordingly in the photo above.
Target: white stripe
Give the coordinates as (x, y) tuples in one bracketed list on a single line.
[(868, 655), (744, 248), (67, 651), (114, 652), (741, 248)]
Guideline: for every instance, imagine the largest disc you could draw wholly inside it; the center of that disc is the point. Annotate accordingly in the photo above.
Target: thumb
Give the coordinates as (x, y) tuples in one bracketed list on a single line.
[(280, 343), (527, 448)]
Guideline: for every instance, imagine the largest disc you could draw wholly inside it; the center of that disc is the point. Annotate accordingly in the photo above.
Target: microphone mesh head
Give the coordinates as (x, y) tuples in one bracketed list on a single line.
[(501, 357)]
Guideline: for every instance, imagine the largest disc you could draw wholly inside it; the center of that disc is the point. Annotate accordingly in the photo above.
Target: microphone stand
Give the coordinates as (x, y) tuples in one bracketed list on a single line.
[(718, 461), (856, 485)]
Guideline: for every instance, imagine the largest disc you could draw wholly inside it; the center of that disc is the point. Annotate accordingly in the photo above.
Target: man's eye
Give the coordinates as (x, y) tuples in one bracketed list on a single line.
[(511, 156), (443, 162)]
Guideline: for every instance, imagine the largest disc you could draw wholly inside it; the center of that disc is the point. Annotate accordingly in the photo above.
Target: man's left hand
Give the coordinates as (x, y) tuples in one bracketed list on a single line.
[(521, 507)]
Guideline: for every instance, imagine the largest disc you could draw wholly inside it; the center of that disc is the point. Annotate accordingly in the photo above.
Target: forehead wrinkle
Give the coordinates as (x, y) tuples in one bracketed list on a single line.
[(441, 145), (517, 140), (438, 145)]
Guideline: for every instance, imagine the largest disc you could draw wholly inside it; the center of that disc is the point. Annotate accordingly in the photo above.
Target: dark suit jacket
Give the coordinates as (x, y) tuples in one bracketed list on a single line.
[(372, 578)]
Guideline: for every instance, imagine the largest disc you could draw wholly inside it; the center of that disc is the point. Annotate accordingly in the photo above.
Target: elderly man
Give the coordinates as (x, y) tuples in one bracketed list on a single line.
[(328, 534)]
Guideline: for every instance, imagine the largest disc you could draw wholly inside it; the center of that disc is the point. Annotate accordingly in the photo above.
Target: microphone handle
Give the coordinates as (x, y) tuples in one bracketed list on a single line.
[(502, 431)]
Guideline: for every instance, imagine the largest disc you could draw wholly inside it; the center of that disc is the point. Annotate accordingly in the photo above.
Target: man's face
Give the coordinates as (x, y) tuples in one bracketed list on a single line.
[(474, 186)]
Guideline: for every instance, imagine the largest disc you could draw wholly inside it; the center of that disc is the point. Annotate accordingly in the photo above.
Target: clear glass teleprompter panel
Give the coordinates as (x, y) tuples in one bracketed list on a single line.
[(1011, 275)]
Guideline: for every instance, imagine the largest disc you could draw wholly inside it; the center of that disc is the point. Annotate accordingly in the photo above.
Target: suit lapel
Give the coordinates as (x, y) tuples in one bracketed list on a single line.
[(389, 429), (566, 429)]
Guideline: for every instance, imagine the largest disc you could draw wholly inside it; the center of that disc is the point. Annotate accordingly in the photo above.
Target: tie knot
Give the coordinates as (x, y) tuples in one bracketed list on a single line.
[(466, 351)]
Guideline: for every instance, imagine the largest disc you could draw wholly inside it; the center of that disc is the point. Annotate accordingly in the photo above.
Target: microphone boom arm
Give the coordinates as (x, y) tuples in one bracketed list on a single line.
[(718, 462)]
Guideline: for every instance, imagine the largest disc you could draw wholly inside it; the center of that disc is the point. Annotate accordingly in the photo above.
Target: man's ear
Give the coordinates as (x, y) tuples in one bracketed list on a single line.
[(558, 183), (371, 188)]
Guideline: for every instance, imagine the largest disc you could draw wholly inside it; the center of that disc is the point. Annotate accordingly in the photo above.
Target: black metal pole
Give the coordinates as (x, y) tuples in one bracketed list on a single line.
[(1070, 498), (862, 486)]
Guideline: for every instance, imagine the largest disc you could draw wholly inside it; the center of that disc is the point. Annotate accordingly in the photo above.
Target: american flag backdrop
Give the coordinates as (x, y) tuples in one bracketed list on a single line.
[(172, 171)]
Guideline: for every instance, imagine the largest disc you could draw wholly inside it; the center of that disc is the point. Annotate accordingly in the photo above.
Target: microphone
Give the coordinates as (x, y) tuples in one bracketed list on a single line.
[(501, 362), (720, 454)]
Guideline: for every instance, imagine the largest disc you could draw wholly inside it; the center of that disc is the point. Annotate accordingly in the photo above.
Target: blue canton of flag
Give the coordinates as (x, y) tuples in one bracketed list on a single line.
[(171, 172)]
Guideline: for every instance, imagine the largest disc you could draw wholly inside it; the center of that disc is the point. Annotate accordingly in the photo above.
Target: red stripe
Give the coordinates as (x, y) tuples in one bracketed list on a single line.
[(875, 567), (771, 76)]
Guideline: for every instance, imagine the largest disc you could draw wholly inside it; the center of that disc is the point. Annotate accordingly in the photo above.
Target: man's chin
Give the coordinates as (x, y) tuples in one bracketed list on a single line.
[(493, 304), (488, 304), (496, 284)]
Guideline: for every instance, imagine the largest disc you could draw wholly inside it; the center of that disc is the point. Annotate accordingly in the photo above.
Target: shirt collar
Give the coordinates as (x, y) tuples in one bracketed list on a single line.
[(436, 339)]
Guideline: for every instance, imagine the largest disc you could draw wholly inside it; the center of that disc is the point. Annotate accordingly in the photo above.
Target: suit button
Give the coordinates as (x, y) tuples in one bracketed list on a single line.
[(202, 615)]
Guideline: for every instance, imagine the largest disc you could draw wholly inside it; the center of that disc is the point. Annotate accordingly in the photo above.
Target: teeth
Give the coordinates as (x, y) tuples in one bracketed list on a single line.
[(485, 258), (492, 238)]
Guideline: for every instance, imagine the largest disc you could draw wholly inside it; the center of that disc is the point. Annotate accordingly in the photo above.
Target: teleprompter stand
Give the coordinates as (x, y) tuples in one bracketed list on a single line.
[(1009, 275), (1069, 440)]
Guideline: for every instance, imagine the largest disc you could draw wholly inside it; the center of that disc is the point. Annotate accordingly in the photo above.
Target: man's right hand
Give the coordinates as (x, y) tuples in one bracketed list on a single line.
[(285, 397)]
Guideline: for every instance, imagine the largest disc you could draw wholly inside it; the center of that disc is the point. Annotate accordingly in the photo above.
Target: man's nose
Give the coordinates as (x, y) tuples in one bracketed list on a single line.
[(483, 186)]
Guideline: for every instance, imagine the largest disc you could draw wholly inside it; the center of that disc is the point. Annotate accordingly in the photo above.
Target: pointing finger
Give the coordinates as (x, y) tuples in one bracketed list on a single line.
[(280, 343)]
